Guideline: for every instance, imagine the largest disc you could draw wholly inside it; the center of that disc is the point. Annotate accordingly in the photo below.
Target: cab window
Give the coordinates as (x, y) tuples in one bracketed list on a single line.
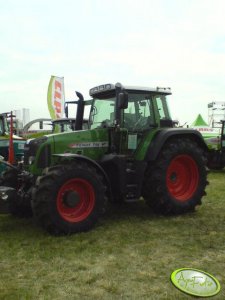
[(102, 113), (139, 114), (162, 107)]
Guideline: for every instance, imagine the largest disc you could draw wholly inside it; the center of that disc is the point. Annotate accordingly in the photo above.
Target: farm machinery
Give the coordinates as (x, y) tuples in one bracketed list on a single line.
[(17, 144), (216, 154), (48, 126), (130, 150), (68, 124)]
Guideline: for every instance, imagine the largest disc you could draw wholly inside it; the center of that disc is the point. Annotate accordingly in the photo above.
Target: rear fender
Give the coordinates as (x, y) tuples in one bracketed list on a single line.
[(164, 135)]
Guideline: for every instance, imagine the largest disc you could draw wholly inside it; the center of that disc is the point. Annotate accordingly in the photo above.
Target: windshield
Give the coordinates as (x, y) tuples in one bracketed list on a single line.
[(4, 127), (102, 113)]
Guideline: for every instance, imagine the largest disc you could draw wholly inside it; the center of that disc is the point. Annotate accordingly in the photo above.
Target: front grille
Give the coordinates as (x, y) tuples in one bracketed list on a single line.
[(44, 157), (31, 147)]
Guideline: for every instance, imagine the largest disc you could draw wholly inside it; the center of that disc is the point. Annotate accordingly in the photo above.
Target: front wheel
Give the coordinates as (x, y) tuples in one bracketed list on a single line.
[(69, 198), (176, 181)]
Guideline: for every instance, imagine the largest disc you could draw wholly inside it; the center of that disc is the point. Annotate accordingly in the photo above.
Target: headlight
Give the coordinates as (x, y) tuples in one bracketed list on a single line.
[(30, 149), (4, 196), (31, 160)]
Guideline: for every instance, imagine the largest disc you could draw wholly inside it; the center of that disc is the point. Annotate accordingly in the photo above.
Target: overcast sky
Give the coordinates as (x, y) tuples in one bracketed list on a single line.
[(172, 43)]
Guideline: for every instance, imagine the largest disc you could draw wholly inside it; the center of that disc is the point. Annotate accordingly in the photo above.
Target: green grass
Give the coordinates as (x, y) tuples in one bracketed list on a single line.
[(130, 254)]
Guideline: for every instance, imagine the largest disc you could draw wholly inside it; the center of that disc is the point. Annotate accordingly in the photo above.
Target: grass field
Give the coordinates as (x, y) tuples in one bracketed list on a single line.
[(129, 255)]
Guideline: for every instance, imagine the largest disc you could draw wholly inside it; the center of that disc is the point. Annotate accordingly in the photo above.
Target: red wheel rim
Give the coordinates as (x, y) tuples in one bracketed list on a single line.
[(182, 177), (75, 200)]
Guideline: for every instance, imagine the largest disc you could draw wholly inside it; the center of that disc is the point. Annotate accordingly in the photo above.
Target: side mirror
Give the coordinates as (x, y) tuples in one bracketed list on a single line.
[(123, 100)]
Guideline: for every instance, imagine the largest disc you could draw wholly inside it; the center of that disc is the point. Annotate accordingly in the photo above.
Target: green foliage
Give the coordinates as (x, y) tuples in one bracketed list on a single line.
[(130, 254)]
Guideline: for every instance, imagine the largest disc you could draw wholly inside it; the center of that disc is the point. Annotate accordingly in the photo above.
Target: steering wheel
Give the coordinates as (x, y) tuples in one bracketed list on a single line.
[(142, 122), (106, 123)]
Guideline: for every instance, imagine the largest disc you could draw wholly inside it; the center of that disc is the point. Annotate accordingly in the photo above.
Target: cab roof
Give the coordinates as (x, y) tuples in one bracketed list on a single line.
[(109, 88)]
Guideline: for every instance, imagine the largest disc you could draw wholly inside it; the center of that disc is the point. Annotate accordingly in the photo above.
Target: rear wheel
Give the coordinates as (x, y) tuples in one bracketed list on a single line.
[(176, 181), (69, 198)]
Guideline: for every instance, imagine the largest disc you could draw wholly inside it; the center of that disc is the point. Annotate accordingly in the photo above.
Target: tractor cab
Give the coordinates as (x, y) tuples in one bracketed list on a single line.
[(129, 113), (134, 108)]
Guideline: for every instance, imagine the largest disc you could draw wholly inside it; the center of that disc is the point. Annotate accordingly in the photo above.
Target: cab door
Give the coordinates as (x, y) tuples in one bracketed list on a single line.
[(138, 119)]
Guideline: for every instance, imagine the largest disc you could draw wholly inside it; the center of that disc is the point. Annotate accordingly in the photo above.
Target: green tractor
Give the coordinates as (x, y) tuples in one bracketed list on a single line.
[(130, 151)]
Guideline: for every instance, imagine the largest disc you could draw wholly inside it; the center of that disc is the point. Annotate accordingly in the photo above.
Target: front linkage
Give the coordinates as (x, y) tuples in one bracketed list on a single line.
[(15, 190)]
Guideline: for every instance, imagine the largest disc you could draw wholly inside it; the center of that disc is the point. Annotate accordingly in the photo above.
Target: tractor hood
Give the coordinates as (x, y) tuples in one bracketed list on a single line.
[(92, 143)]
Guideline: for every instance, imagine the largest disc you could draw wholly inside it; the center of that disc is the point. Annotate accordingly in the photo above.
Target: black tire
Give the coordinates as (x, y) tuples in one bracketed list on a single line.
[(176, 181), (215, 161), (21, 205), (69, 198)]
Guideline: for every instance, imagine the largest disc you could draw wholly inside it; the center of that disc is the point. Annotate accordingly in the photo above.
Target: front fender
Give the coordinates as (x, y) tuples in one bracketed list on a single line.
[(90, 161)]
